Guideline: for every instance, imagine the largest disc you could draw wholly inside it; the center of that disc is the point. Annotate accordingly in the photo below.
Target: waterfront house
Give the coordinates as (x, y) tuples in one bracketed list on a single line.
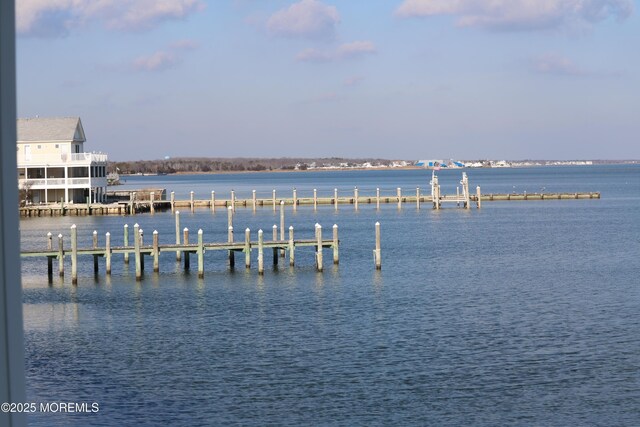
[(53, 165)]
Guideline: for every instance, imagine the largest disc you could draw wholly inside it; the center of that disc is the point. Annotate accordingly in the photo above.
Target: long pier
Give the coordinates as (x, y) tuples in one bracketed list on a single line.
[(182, 249), (146, 201)]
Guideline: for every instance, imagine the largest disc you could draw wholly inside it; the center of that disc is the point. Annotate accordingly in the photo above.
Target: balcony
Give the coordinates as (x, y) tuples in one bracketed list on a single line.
[(61, 159), (61, 183)]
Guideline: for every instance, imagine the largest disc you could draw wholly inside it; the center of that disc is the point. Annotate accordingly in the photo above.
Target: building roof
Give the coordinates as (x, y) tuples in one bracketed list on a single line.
[(42, 129)]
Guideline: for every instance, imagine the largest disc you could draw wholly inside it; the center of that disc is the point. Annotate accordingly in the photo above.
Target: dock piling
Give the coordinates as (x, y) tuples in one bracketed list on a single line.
[(107, 252), (336, 258), (152, 207), (95, 256), (274, 200), (173, 201), (281, 225), (178, 253), (247, 248), (275, 250), (156, 252), (335, 198), (253, 199), (355, 198), (200, 254), (319, 247), (315, 199), (295, 200), (291, 247), (185, 241), (191, 201), (141, 238), (60, 255), (377, 198), (232, 257), (49, 259), (233, 200), (399, 191), (213, 201), (479, 197), (74, 255), (376, 252), (418, 197), (126, 243), (260, 252), (136, 249), (229, 217)]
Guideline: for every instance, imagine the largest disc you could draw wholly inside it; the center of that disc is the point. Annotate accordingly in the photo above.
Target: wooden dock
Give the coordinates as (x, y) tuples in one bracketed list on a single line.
[(182, 249), (148, 202)]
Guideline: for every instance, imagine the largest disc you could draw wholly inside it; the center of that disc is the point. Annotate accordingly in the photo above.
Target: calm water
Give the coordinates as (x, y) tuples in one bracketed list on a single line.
[(522, 313)]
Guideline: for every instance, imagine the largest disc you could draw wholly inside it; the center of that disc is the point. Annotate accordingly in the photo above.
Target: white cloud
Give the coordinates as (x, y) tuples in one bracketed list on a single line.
[(307, 18), (519, 14), (352, 50), (157, 61), (58, 17), (164, 59), (556, 64)]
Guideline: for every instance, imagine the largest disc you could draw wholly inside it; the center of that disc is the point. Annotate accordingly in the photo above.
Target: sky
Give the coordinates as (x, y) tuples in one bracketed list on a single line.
[(395, 79)]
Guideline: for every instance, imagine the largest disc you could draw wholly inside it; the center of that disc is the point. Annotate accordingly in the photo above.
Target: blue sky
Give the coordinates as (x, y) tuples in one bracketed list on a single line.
[(402, 79)]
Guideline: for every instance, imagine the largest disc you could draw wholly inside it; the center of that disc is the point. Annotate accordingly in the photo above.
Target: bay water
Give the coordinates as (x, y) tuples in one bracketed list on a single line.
[(518, 313)]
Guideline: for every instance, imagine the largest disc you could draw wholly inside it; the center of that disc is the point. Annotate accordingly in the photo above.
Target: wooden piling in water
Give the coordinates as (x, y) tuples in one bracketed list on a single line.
[(377, 256), (247, 248), (213, 201), (178, 253), (275, 250), (399, 195), (229, 217), (377, 198), (136, 249), (60, 255), (281, 226), (95, 256), (233, 200), (253, 199), (74, 255), (315, 199), (478, 197), (355, 198), (152, 206), (107, 252), (336, 258), (126, 243), (418, 197), (232, 256), (200, 254), (173, 201), (185, 241), (156, 252), (295, 200), (319, 247), (274, 200), (260, 252), (191, 200), (49, 259), (141, 238), (335, 198), (291, 247), (132, 208)]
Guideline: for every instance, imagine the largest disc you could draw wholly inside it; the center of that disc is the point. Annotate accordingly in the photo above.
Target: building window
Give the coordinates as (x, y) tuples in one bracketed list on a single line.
[(57, 145), (39, 147)]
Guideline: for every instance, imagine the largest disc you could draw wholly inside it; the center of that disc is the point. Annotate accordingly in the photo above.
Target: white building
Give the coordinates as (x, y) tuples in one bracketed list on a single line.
[(52, 163)]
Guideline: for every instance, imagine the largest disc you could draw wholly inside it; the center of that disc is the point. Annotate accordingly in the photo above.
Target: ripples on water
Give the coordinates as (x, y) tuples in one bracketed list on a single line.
[(520, 313)]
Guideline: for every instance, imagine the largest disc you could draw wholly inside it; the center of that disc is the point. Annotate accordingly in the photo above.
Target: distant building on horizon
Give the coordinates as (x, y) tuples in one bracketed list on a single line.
[(52, 163), (432, 164)]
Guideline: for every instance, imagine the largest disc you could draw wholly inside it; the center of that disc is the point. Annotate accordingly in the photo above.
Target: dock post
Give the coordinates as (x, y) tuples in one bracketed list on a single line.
[(136, 250), (107, 252), (74, 255), (95, 256), (232, 256), (178, 253), (132, 211), (295, 200), (274, 200), (253, 199), (173, 201), (315, 199), (319, 247), (355, 198), (200, 254), (156, 252), (399, 191), (247, 248), (49, 259), (458, 196), (291, 247), (229, 217), (376, 252), (60, 256), (185, 241), (479, 197), (418, 197), (191, 201), (141, 237), (275, 250), (152, 207), (335, 198), (213, 201), (378, 198), (281, 225), (233, 200), (336, 258), (260, 252), (62, 210)]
